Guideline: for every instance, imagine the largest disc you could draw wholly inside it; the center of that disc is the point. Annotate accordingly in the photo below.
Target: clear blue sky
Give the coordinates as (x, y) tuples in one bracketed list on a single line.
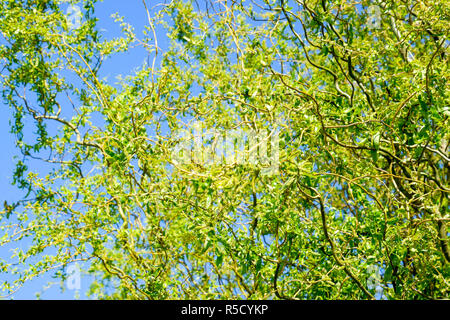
[(134, 13)]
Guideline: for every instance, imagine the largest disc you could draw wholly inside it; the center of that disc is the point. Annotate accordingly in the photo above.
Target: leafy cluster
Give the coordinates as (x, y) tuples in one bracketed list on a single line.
[(358, 208)]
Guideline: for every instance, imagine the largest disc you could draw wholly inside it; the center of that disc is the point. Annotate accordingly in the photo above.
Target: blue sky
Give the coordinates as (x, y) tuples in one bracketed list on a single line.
[(134, 13)]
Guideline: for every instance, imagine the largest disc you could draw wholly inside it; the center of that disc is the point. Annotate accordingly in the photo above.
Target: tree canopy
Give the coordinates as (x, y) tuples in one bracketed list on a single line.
[(353, 93)]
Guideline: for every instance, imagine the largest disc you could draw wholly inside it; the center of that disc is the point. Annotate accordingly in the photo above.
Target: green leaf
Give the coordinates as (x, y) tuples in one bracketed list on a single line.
[(219, 260)]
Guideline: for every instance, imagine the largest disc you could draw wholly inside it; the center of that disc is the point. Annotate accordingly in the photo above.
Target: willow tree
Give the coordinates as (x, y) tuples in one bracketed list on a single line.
[(356, 207)]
